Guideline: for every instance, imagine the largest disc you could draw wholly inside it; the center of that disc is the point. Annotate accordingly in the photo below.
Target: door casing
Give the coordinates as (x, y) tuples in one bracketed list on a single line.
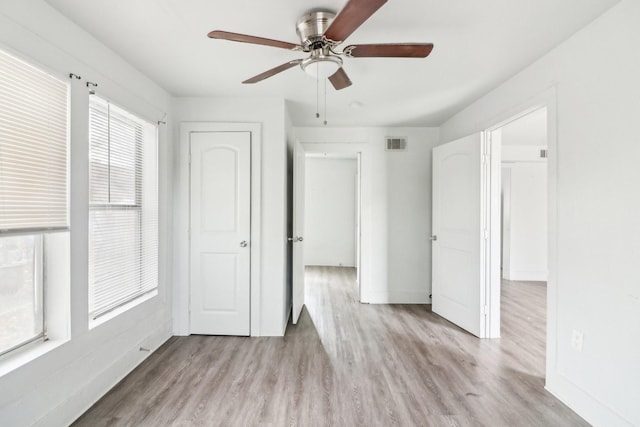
[(181, 243)]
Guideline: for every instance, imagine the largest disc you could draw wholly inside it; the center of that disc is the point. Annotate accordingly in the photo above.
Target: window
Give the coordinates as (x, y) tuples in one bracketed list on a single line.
[(33, 192), (123, 210)]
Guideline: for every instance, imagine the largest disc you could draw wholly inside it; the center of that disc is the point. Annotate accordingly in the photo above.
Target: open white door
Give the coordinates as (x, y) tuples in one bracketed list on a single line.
[(298, 232), (358, 226), (459, 234), (220, 233)]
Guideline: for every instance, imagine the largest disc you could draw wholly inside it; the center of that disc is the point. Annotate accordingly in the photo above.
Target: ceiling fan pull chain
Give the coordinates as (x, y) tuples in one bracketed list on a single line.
[(317, 94), (325, 102)]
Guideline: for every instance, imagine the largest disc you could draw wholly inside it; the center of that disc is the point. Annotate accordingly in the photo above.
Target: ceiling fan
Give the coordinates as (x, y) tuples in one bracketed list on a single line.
[(321, 32)]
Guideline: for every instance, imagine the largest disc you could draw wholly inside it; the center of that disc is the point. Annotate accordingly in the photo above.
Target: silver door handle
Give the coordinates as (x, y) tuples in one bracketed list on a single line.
[(434, 238), (243, 244), (295, 239)]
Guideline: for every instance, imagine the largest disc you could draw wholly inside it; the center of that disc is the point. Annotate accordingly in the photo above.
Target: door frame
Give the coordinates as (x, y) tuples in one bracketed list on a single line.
[(298, 232), (359, 153), (181, 231), (548, 100)]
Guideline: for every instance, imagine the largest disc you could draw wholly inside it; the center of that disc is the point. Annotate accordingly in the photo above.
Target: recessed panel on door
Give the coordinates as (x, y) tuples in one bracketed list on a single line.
[(219, 273), (219, 189)]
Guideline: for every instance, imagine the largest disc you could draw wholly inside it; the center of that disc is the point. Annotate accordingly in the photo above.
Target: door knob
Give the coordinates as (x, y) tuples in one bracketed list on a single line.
[(434, 238), (299, 239), (243, 244), (295, 239)]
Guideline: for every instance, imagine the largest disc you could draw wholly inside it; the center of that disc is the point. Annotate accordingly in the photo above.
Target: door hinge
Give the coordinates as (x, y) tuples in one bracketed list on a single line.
[(485, 310), (485, 234)]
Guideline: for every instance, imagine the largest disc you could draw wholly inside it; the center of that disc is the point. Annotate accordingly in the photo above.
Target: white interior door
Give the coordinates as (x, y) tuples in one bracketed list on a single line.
[(220, 232), (459, 180), (298, 232), (358, 229)]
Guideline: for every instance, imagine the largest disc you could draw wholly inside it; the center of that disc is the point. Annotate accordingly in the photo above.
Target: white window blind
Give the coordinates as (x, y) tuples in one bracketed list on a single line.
[(123, 211), (33, 149)]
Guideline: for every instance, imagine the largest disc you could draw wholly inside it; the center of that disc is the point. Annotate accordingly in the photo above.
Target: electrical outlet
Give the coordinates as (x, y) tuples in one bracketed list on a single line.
[(576, 340)]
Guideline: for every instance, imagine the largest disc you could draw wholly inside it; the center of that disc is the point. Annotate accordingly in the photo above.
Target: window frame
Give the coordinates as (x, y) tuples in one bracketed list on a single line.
[(140, 127)]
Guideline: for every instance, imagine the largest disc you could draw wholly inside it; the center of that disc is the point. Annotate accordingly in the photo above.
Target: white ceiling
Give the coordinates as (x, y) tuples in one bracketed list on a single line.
[(478, 44)]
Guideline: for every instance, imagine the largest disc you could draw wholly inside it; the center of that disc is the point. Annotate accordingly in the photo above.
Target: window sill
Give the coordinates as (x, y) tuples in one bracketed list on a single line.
[(30, 352), (93, 323)]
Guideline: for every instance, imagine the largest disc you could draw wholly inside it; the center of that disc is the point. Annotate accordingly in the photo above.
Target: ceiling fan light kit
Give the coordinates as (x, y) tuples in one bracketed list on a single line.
[(320, 33), (321, 65), (322, 62)]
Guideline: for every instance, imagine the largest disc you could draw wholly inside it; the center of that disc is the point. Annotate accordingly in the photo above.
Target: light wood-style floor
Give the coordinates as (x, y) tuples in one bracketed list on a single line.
[(349, 364)]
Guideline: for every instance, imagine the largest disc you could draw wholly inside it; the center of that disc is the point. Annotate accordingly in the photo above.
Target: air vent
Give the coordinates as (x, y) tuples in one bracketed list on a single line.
[(395, 143)]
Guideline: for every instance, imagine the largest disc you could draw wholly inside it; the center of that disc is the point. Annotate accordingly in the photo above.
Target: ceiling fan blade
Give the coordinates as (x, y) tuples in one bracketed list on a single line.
[(224, 35), (273, 71), (351, 17), (340, 80), (391, 50)]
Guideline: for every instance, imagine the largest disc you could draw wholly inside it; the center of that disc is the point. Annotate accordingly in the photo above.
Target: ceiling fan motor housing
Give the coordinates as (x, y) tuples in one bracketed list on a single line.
[(311, 28)]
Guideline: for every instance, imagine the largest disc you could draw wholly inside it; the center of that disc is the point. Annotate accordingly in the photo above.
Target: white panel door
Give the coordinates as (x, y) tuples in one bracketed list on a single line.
[(298, 232), (458, 246), (220, 232)]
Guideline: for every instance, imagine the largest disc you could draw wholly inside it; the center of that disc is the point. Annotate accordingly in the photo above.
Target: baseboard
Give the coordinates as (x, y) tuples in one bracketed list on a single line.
[(398, 297), (96, 387), (526, 275), (582, 403)]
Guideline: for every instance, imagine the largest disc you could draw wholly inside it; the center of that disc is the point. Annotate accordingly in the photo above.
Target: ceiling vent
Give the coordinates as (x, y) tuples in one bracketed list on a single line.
[(395, 143)]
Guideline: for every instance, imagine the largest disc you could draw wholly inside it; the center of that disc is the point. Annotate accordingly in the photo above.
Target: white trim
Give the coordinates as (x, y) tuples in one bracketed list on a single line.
[(491, 224), (525, 275), (584, 404), (399, 297), (181, 222), (94, 387)]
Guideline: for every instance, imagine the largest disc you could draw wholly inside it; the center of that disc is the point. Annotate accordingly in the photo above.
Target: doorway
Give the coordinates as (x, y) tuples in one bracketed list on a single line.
[(331, 210), (520, 238), (524, 198), (341, 161), (466, 223)]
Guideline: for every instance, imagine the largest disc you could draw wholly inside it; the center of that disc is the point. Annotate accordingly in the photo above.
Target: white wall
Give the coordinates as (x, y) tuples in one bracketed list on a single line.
[(75, 369), (524, 189), (530, 130), (594, 282), (330, 212), (270, 114), (396, 207)]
